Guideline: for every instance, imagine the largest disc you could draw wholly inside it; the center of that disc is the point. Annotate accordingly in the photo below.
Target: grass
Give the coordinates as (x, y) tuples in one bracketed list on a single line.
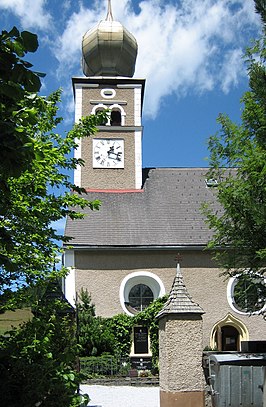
[(13, 319)]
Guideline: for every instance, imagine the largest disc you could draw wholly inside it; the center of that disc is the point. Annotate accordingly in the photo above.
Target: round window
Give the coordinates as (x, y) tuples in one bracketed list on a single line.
[(138, 290), (248, 293), (140, 296)]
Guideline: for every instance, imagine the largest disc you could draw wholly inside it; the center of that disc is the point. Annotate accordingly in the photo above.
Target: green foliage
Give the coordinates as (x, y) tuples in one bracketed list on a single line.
[(121, 327), (29, 244), (38, 360), (16, 81), (238, 162), (35, 199), (148, 318), (34, 167), (114, 335), (95, 337), (100, 366)]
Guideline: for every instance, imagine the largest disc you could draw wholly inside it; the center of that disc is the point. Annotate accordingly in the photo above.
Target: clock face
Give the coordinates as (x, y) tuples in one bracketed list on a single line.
[(108, 153)]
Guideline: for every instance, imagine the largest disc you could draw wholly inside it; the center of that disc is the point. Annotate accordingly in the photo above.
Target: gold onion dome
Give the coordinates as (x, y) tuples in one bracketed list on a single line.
[(109, 49)]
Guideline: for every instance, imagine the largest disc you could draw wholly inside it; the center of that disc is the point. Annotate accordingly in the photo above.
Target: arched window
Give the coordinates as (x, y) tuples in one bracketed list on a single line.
[(116, 118), (99, 108), (118, 115), (104, 121)]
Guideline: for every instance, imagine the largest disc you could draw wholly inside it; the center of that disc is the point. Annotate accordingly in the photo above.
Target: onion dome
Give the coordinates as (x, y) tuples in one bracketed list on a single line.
[(109, 49)]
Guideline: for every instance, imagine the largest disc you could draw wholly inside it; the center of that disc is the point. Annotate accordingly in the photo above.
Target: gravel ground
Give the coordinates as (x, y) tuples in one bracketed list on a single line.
[(121, 396)]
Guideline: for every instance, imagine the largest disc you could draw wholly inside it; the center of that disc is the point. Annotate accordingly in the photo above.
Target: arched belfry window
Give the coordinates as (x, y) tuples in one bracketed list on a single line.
[(100, 108), (104, 121), (116, 118), (116, 114)]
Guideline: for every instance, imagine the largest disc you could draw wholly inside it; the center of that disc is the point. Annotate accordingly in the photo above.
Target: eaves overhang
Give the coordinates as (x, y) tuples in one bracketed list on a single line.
[(133, 247)]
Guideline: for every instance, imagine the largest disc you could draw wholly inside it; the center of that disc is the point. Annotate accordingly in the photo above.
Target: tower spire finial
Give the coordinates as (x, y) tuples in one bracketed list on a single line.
[(109, 16)]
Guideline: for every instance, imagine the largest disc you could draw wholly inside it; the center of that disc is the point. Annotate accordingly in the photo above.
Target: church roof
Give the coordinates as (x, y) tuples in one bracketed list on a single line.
[(167, 213)]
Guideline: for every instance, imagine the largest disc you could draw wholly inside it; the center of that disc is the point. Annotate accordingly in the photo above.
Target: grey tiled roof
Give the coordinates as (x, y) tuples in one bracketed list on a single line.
[(166, 213), (179, 301)]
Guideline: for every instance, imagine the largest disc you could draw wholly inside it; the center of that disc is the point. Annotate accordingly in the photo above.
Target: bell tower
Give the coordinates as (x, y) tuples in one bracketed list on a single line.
[(113, 157)]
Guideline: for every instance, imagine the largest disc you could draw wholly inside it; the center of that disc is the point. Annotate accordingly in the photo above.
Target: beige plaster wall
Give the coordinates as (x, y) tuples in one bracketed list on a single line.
[(115, 178), (102, 272), (122, 95), (180, 339), (109, 178)]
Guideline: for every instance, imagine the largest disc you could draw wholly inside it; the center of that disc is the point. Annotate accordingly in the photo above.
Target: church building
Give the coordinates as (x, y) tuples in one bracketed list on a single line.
[(125, 253)]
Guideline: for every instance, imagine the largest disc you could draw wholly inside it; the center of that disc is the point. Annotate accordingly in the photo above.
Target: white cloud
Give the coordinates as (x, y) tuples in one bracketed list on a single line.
[(184, 45), (30, 12), (232, 69), (68, 47), (181, 48)]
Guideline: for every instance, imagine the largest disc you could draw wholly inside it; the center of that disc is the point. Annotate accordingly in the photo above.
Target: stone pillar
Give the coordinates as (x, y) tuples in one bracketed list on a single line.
[(180, 349)]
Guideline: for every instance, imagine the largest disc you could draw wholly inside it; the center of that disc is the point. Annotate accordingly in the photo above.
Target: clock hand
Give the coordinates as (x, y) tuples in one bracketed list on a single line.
[(111, 151), (113, 155)]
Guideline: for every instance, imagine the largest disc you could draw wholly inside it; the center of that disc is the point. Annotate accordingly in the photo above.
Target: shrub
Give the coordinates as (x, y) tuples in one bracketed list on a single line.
[(114, 335), (105, 365), (38, 361), (95, 337), (121, 327), (148, 318)]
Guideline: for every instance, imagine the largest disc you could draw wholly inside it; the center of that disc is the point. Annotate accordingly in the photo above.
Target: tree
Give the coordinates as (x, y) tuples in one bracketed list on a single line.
[(29, 243), (38, 360), (95, 337), (238, 163), (16, 80), (36, 190)]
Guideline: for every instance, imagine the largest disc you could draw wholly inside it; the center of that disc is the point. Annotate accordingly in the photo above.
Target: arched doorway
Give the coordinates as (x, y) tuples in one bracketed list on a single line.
[(227, 338), (228, 333)]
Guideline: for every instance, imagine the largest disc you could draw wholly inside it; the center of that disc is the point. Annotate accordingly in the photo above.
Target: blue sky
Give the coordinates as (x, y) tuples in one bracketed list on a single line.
[(189, 52)]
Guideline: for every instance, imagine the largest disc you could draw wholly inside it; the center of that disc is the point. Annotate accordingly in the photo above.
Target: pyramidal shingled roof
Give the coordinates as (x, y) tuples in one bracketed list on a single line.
[(179, 301)]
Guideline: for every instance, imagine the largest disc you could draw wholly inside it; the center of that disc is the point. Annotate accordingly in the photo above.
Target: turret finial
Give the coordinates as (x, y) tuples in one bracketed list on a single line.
[(109, 16), (178, 259)]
